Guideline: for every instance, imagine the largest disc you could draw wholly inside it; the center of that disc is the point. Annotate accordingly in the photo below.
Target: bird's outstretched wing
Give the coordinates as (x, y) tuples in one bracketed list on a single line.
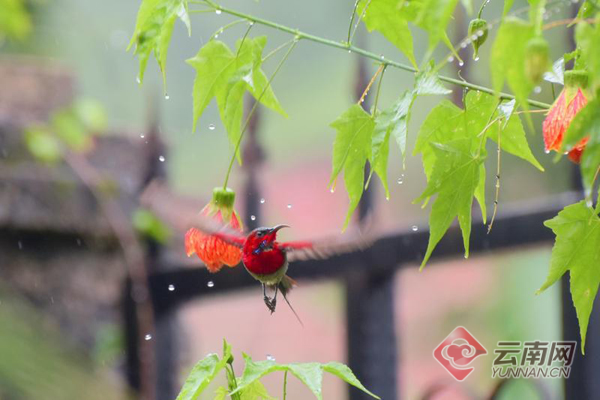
[(324, 248), (211, 227)]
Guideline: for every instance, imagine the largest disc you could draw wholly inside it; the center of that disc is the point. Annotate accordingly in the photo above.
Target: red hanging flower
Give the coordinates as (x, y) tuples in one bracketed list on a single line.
[(213, 251), (567, 105)]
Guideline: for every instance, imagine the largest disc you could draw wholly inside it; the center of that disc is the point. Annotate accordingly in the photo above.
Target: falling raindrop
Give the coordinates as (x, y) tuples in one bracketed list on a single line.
[(161, 158), (218, 12), (401, 179), (210, 284), (415, 228), (332, 190), (211, 127), (171, 288), (167, 97), (537, 89), (20, 244), (262, 201), (270, 357), (142, 135), (78, 241), (253, 217), (349, 51), (148, 337), (289, 206)]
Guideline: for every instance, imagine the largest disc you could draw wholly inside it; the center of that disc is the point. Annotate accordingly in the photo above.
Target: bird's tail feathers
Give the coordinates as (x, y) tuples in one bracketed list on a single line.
[(285, 286)]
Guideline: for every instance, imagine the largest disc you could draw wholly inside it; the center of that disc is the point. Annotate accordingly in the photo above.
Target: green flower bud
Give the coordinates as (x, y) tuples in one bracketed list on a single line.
[(537, 59), (478, 29)]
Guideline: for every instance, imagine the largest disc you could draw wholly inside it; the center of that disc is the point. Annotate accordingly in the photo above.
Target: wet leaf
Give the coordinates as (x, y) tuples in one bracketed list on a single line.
[(203, 373), (226, 76), (454, 178), (387, 17), (345, 373), (507, 59), (153, 30), (577, 250), (351, 149)]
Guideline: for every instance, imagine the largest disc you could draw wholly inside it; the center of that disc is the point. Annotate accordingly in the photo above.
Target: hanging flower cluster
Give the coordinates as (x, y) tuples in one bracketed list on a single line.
[(213, 251), (567, 105)]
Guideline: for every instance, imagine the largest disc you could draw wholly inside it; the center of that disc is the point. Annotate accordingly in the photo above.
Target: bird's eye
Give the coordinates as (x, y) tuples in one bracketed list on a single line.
[(260, 234)]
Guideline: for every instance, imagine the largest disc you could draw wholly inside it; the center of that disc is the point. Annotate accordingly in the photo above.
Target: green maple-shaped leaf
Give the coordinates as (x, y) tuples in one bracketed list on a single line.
[(153, 30), (586, 124), (454, 178), (311, 374), (434, 18), (507, 59), (226, 75), (203, 373), (351, 150), (577, 250), (513, 139), (388, 17)]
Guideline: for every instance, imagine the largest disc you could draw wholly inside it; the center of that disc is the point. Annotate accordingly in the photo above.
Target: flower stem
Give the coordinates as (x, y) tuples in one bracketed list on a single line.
[(268, 85), (345, 46), (352, 20), (378, 90), (362, 98)]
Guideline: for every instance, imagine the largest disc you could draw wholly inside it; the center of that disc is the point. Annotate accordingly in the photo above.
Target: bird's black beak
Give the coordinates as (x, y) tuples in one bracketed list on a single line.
[(278, 227)]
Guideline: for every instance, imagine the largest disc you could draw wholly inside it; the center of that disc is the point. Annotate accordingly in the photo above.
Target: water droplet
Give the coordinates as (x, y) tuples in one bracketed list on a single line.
[(463, 45), (216, 35), (161, 158), (547, 151), (537, 89), (211, 127), (289, 206), (20, 244), (480, 33), (218, 12), (415, 228), (262, 201), (171, 288), (138, 80), (78, 241), (450, 59), (477, 58), (253, 217), (382, 57), (210, 284), (148, 337), (474, 37), (332, 190), (251, 23), (349, 51), (142, 135), (461, 63), (588, 202), (401, 179), (167, 97), (270, 357)]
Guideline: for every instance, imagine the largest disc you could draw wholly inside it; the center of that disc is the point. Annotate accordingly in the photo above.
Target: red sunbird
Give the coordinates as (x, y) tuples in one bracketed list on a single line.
[(267, 260)]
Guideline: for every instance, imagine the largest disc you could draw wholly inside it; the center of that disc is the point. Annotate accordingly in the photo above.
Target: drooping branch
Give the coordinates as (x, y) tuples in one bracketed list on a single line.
[(349, 47)]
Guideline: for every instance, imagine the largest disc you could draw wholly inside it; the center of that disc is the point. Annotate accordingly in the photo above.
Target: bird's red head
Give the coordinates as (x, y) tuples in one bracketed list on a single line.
[(263, 236)]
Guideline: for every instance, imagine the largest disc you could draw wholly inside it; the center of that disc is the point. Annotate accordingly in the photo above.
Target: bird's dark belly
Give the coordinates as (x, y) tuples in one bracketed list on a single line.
[(265, 263)]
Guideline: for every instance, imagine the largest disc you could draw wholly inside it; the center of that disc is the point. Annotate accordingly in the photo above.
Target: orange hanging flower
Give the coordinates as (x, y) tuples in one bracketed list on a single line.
[(214, 252), (567, 105)]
